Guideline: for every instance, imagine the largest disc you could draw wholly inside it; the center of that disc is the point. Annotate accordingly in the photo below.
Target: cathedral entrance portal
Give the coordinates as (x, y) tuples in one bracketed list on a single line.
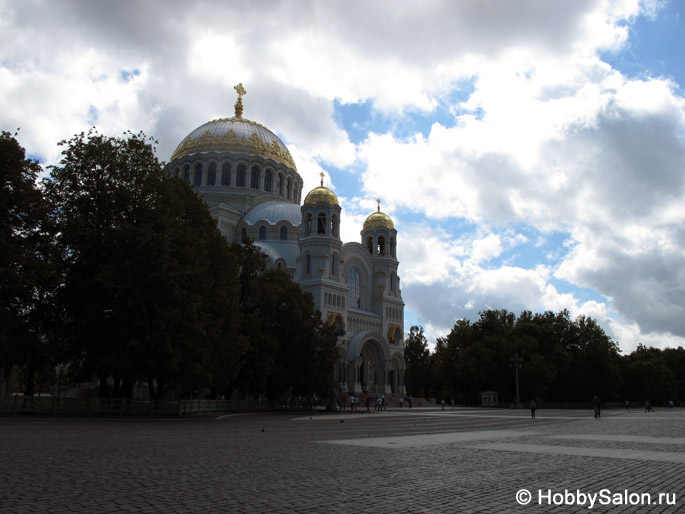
[(372, 368)]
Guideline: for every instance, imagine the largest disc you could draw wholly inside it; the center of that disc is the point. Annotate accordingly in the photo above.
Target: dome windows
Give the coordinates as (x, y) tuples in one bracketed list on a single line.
[(308, 224), (381, 245), (335, 226), (321, 223), (283, 236), (247, 175)]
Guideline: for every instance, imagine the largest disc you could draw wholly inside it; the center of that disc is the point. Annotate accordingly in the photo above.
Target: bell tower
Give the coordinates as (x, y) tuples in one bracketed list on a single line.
[(379, 238), (320, 260)]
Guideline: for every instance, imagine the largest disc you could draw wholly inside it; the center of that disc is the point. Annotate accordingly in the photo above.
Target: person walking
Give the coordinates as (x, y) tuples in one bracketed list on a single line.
[(533, 406), (596, 405)]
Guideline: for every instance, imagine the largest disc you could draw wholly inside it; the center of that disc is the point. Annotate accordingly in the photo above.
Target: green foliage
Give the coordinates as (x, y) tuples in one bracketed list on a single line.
[(116, 271), (560, 360), (653, 375), (290, 352), (150, 286), (417, 357), (27, 275)]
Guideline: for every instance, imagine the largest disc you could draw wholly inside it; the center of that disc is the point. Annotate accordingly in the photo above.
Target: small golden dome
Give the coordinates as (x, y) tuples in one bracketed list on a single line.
[(379, 220), (321, 194)]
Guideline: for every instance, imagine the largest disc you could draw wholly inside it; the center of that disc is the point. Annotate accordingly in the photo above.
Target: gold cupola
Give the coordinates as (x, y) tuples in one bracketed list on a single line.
[(379, 219), (235, 134), (321, 194)]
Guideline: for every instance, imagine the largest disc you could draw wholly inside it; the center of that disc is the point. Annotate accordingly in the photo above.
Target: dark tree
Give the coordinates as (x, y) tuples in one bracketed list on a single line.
[(290, 352), (150, 286), (418, 376), (27, 278)]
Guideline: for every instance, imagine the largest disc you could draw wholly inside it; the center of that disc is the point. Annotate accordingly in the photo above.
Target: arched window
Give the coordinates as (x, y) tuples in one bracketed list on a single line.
[(267, 181), (334, 225), (321, 224), (262, 233), (186, 173), (243, 233), (177, 173), (226, 175), (393, 246), (254, 178), (381, 245), (308, 225), (353, 283), (198, 175), (392, 282), (283, 236), (334, 265), (369, 244), (279, 184), (240, 179), (288, 188), (308, 269), (211, 174)]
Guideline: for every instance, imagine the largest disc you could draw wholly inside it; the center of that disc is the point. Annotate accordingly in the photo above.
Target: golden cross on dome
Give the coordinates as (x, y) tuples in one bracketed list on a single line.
[(322, 174), (239, 104), (379, 204)]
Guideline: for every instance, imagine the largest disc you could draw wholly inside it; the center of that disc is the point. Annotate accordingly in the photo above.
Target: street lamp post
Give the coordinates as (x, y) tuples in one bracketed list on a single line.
[(516, 363)]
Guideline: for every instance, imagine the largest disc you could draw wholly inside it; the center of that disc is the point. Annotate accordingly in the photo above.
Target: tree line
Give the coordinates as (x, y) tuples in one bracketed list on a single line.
[(111, 270), (558, 360)]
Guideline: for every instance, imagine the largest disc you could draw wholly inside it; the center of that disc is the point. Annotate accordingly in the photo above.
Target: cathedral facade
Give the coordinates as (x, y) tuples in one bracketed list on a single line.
[(250, 183)]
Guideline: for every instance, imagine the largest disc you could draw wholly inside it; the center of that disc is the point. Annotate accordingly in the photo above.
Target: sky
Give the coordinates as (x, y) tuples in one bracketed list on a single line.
[(530, 153)]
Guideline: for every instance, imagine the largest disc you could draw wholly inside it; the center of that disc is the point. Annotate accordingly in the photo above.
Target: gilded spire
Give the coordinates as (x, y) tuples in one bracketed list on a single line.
[(379, 204), (322, 174), (239, 104)]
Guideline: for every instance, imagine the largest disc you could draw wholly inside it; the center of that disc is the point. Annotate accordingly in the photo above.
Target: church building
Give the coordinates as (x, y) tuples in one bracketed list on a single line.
[(250, 183)]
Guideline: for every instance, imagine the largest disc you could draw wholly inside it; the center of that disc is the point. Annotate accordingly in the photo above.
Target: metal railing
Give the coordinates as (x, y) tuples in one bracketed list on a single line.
[(77, 406)]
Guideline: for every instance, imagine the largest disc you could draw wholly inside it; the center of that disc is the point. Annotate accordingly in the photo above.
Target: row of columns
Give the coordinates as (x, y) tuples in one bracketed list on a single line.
[(382, 386)]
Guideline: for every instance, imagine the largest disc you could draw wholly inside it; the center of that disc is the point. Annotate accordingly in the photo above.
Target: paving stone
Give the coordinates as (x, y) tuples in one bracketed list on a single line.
[(457, 460)]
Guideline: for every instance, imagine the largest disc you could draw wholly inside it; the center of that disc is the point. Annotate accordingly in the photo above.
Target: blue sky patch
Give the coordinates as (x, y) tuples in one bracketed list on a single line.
[(92, 117), (128, 75), (654, 46)]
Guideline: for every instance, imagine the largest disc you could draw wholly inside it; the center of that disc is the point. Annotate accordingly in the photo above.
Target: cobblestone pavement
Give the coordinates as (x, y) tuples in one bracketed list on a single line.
[(400, 461)]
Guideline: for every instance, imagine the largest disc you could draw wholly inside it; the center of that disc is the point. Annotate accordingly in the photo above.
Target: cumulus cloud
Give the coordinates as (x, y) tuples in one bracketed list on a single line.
[(533, 134)]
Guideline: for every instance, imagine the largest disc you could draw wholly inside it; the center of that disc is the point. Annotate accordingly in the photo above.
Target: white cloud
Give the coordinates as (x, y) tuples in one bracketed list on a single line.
[(543, 134)]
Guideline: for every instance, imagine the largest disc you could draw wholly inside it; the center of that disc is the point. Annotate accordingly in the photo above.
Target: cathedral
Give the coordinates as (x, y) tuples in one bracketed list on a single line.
[(250, 183)]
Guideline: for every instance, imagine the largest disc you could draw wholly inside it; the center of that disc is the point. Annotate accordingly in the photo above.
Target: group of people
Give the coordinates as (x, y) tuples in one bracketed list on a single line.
[(379, 402), (597, 406)]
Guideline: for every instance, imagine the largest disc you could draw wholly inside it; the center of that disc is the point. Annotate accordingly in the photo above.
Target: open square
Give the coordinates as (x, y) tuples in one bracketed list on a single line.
[(402, 461)]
